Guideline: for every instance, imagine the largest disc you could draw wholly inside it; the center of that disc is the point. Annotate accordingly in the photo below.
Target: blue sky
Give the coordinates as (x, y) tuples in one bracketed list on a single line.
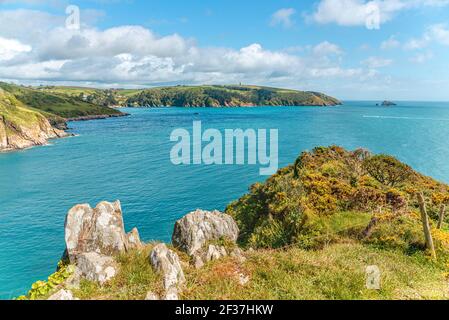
[(352, 49)]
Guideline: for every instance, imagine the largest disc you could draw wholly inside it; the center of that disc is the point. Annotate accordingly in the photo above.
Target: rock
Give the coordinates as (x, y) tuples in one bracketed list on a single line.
[(193, 231), (237, 253), (215, 253), (243, 279), (388, 103), (198, 262), (172, 294), (98, 230), (96, 267), (152, 296), (133, 239), (62, 295), (167, 263), (22, 127)]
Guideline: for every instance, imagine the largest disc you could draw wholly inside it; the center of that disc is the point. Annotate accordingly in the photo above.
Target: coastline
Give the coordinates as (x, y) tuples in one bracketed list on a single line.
[(97, 117)]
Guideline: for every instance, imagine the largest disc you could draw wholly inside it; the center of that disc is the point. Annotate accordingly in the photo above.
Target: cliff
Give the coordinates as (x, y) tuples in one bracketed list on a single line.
[(58, 105), (315, 230), (21, 127)]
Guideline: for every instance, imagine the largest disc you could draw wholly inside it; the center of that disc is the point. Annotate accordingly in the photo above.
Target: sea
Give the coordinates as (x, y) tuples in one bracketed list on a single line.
[(128, 159)]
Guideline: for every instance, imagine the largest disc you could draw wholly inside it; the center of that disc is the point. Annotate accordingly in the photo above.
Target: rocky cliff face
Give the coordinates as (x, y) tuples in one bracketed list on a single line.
[(21, 127)]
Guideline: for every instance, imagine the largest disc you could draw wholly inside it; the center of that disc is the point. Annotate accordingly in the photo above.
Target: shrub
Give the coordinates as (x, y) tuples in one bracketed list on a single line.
[(387, 170)]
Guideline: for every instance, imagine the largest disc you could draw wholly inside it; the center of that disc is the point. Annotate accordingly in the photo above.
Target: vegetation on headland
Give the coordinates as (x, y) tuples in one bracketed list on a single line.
[(22, 127), (57, 105), (193, 96), (310, 231), (227, 96)]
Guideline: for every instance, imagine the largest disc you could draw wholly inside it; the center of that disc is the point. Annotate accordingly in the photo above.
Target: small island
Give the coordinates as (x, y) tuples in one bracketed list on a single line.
[(387, 103)]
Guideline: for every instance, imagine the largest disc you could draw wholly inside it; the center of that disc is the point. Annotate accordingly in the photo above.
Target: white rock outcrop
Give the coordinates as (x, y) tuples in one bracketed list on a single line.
[(93, 236), (193, 232), (100, 229), (96, 267), (166, 262), (62, 295)]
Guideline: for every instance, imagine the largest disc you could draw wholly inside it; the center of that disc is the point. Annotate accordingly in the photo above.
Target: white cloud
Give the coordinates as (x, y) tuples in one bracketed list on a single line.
[(438, 33), (390, 43), (377, 62), (42, 49), (421, 57), (10, 48), (362, 12), (283, 17), (327, 48)]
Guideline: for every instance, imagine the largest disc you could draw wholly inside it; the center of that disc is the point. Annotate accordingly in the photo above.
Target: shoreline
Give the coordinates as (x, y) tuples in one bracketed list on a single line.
[(97, 117)]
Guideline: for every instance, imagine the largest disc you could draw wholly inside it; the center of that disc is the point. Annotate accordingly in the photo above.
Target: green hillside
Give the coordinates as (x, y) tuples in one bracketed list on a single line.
[(57, 103), (228, 96), (22, 127)]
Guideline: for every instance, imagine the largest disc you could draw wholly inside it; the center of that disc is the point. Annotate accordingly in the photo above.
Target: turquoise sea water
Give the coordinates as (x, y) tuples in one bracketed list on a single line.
[(128, 159)]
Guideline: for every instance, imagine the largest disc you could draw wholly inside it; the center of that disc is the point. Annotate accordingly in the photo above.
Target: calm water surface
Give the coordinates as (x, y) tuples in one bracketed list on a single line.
[(128, 159)]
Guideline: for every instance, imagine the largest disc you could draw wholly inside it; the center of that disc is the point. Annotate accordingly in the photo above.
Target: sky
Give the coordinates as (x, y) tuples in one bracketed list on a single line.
[(351, 49)]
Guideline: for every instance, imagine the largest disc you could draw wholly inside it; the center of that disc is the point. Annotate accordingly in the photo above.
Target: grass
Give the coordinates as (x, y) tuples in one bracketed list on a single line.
[(135, 279), (56, 103), (336, 272)]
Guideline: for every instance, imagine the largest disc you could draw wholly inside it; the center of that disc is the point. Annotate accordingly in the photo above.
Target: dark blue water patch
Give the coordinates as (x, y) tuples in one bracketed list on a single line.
[(128, 159)]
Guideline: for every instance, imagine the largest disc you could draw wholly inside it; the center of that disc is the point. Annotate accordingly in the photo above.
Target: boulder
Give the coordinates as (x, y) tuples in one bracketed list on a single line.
[(166, 262), (193, 231), (99, 230), (133, 239), (62, 295), (96, 267)]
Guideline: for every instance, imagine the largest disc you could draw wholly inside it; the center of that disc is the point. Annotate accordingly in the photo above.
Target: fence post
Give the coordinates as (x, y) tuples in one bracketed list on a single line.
[(442, 212), (426, 225)]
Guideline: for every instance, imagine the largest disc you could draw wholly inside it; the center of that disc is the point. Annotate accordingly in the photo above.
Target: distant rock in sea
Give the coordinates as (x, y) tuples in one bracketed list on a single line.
[(387, 103)]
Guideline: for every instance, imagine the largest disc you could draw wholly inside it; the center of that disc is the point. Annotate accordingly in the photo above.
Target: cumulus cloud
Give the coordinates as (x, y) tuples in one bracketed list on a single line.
[(283, 17), (362, 12), (40, 48), (437, 33), (10, 48)]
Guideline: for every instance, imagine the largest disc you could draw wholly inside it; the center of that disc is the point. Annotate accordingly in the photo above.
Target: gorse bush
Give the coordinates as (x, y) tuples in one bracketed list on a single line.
[(42, 289), (301, 203)]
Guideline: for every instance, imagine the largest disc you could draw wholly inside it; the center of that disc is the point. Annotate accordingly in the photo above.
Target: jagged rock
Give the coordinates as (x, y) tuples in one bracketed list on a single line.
[(151, 296), (193, 231), (167, 263), (215, 253), (96, 267), (172, 294), (62, 295), (98, 230), (133, 239)]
